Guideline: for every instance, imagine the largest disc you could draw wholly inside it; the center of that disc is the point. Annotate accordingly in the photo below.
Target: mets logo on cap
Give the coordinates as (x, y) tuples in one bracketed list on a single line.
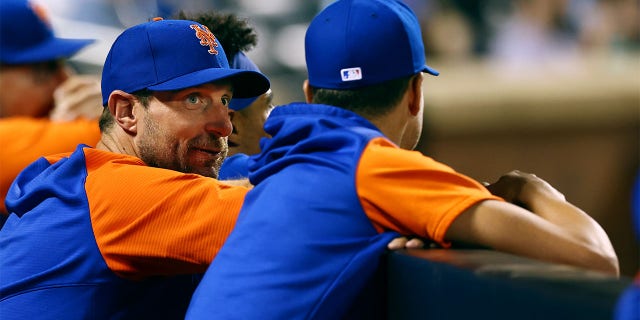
[(207, 39)]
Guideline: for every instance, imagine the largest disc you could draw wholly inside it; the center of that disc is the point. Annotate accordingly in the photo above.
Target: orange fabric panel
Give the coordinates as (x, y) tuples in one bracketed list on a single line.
[(161, 221), (23, 140), (413, 194)]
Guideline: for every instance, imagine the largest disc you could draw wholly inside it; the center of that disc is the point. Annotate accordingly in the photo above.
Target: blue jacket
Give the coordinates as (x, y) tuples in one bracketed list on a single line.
[(234, 167), (311, 233), (80, 247)]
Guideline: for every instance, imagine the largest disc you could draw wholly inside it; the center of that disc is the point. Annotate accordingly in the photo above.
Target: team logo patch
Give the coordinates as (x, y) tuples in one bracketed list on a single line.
[(351, 74), (207, 39)]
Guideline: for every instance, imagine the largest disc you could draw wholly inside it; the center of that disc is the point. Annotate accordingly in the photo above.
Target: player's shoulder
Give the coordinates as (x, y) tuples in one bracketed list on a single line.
[(382, 152)]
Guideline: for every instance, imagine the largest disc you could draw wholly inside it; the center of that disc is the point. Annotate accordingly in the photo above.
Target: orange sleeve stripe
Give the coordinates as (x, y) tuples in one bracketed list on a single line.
[(154, 221), (407, 192), (24, 140)]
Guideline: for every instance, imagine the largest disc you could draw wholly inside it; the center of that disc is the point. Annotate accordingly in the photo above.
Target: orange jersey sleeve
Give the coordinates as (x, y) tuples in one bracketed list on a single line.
[(155, 221), (405, 191), (24, 140)]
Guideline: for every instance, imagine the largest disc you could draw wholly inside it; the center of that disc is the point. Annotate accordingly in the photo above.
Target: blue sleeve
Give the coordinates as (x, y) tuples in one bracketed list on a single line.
[(234, 167)]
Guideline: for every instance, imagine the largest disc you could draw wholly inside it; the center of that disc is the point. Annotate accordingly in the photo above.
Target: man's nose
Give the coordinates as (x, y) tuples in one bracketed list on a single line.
[(219, 122)]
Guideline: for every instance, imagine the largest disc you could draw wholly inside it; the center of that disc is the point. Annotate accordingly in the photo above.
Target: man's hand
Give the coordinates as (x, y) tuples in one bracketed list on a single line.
[(238, 183), (405, 243), (77, 97), (523, 189)]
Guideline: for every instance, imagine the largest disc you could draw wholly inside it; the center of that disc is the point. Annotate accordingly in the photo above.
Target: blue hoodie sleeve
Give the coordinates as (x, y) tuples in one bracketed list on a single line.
[(234, 167)]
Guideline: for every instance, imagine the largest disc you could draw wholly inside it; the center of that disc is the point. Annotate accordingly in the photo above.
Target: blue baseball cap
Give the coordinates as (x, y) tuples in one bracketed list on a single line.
[(164, 55), (241, 61), (26, 35), (357, 43)]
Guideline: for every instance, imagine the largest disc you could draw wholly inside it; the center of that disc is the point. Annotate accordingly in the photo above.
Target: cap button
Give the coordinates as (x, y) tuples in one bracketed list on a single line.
[(157, 19)]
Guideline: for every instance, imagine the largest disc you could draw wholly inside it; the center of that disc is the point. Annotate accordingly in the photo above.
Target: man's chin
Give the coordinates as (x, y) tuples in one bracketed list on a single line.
[(208, 169)]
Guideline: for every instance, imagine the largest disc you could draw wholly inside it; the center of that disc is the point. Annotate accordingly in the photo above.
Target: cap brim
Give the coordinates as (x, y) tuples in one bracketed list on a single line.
[(245, 83), (238, 104), (53, 49), (430, 70)]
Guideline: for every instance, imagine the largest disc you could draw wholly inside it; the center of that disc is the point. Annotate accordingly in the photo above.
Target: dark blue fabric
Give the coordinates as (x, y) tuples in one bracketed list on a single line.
[(303, 247), (234, 167), (628, 305), (50, 264)]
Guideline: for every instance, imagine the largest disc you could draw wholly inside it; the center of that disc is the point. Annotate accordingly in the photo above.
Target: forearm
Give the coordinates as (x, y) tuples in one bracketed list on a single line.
[(549, 204), (574, 222), (544, 209), (508, 228)]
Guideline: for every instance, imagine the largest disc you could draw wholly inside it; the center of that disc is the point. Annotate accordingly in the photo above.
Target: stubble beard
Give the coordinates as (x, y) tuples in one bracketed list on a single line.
[(158, 150)]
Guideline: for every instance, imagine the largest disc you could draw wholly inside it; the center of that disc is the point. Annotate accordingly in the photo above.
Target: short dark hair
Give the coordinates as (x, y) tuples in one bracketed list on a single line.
[(370, 101), (233, 33), (107, 120)]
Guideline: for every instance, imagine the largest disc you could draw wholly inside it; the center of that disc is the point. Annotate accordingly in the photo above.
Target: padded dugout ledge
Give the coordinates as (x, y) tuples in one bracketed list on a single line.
[(485, 284)]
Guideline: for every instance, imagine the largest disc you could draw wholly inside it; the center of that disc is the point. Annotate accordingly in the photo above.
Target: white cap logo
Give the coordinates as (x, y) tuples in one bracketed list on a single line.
[(351, 74)]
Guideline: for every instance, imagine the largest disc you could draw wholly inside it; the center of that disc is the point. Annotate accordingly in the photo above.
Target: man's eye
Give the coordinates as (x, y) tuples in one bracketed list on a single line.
[(193, 101), (225, 101), (192, 98)]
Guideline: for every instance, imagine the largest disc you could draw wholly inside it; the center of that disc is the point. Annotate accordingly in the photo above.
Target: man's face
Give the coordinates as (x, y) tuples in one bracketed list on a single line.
[(248, 126), (27, 90), (186, 130)]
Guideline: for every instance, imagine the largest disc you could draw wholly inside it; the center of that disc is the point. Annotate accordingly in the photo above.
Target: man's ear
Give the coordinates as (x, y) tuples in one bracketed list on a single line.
[(121, 107), (415, 94), (308, 93)]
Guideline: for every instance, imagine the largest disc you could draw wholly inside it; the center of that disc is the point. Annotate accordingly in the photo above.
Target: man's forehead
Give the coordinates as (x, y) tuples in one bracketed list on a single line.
[(220, 85)]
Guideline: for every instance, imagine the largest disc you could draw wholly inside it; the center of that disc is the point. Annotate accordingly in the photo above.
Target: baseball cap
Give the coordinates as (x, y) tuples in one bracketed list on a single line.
[(241, 61), (357, 43), (164, 55), (26, 35)]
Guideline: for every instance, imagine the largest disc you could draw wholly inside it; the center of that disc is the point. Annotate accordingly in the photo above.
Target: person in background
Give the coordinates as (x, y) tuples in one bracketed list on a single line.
[(337, 180), (124, 229), (44, 107), (238, 37)]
